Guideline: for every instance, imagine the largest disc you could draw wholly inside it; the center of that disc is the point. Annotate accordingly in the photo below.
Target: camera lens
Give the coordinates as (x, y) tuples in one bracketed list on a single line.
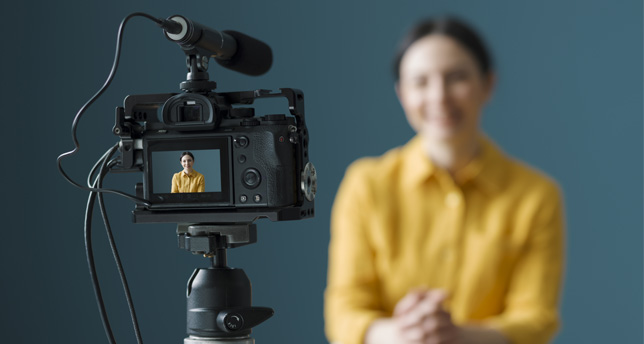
[(251, 178)]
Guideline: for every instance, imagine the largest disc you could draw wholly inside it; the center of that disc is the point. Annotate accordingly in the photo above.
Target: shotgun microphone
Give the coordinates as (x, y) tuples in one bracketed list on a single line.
[(231, 49)]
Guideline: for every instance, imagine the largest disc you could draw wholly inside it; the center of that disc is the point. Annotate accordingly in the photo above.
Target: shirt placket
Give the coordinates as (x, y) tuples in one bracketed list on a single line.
[(186, 184), (451, 254)]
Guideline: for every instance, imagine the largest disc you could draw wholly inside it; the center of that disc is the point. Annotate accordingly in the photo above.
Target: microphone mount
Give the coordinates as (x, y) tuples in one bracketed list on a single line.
[(197, 78)]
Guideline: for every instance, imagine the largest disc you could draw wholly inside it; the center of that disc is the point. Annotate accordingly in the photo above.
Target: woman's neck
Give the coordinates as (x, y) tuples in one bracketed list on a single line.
[(450, 156)]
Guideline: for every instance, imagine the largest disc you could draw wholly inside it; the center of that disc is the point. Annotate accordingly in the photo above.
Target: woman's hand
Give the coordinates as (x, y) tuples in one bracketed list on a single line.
[(419, 318)]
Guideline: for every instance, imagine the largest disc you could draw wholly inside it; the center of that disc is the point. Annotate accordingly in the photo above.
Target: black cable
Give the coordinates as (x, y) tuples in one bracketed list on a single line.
[(98, 164), (97, 190), (115, 253), (117, 57), (92, 267), (104, 169)]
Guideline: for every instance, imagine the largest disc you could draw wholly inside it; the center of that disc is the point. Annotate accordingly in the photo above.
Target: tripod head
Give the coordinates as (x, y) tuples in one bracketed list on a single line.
[(219, 297)]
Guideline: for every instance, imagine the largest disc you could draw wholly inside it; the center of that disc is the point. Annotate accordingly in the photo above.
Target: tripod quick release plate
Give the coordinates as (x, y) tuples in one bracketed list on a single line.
[(206, 239)]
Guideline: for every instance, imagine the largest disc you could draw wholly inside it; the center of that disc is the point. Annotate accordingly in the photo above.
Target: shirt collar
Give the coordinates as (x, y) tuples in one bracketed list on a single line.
[(486, 170)]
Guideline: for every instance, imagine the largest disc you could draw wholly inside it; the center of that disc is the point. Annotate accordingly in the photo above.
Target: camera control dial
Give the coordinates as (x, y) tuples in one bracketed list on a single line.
[(250, 122), (309, 182), (251, 178), (241, 141)]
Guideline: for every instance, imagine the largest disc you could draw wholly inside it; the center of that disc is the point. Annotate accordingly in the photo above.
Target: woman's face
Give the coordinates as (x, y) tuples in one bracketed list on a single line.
[(442, 89), (187, 162)]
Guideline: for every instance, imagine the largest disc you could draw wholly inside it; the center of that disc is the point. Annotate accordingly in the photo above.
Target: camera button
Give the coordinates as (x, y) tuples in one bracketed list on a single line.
[(241, 159), (251, 178), (257, 198), (241, 141), (243, 198)]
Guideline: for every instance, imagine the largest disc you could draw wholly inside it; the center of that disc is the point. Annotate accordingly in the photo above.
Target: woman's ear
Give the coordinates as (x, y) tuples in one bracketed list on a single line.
[(490, 85)]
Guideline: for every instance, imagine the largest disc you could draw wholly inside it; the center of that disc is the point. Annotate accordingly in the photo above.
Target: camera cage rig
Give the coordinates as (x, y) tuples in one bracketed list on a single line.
[(140, 108)]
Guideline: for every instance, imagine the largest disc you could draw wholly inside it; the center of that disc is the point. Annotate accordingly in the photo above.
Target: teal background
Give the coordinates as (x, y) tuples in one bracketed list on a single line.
[(568, 101)]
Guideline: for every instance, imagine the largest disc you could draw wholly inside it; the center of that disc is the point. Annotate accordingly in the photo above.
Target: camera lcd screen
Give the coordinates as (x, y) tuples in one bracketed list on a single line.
[(167, 164), (208, 184)]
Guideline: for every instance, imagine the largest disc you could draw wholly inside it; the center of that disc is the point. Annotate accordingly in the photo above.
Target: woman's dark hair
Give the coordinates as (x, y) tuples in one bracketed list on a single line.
[(187, 153), (450, 27)]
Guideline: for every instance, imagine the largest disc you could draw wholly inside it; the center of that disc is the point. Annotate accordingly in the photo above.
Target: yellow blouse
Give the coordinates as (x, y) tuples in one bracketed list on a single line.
[(492, 236), (193, 182)]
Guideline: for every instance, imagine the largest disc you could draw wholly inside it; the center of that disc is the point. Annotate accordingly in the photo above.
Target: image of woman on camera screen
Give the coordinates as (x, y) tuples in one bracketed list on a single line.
[(188, 180), (446, 239)]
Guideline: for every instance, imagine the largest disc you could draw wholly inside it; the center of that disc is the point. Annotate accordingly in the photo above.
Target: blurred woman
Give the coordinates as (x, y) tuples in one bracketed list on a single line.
[(188, 180), (446, 239)]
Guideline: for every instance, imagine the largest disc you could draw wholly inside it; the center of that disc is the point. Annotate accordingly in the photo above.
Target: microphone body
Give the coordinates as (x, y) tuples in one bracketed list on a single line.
[(231, 49)]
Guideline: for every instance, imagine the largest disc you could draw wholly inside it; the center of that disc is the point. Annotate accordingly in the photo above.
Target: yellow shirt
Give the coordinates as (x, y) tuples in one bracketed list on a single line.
[(491, 236), (193, 182)]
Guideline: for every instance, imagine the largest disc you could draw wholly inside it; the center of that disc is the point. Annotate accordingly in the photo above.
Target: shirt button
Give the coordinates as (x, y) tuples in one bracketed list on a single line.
[(453, 199)]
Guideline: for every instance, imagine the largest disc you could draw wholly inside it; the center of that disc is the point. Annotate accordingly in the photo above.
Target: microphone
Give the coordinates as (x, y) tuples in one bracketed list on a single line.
[(231, 49)]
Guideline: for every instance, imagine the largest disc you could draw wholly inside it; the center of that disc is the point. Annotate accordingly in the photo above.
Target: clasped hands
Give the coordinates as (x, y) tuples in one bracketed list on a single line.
[(419, 318)]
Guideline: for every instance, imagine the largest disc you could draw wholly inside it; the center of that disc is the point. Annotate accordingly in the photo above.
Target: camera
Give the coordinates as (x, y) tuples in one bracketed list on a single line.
[(253, 166), (250, 167)]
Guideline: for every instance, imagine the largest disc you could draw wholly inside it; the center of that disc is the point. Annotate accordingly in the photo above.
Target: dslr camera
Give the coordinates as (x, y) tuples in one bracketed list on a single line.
[(253, 166)]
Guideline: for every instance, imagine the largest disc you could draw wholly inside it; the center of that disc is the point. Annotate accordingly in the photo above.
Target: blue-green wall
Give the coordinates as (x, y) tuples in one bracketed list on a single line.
[(569, 101)]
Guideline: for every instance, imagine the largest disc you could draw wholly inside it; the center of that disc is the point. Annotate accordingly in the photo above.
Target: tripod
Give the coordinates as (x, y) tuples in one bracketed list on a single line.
[(219, 297)]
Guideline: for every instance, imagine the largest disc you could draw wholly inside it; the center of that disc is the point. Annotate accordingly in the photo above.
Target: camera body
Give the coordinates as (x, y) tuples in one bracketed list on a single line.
[(253, 166)]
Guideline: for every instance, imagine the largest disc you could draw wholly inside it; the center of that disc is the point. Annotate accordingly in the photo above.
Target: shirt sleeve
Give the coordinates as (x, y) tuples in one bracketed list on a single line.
[(352, 297), (202, 184), (175, 184), (530, 315)]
